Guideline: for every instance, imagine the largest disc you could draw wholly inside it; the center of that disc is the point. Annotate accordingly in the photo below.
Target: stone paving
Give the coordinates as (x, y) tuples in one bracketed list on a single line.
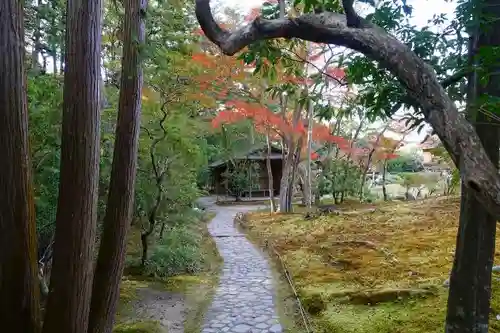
[(243, 302)]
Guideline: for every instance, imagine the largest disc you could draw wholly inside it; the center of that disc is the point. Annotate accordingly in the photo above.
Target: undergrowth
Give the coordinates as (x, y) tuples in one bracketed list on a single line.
[(184, 261), (371, 272), (178, 252)]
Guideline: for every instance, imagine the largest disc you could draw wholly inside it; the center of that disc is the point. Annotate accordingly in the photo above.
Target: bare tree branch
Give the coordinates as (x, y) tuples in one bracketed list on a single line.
[(420, 80), (454, 78), (353, 20)]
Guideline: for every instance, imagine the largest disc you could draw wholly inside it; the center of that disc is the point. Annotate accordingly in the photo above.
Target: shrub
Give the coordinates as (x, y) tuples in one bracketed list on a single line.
[(179, 252)]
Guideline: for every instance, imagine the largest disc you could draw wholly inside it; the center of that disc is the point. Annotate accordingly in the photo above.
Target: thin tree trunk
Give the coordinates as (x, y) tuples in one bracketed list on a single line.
[(349, 154), (152, 223), (282, 7), (369, 161), (291, 181), (384, 174), (68, 304), (308, 182), (159, 174), (310, 111), (470, 281), (53, 46), (284, 183), (162, 230), (287, 175), (35, 65), (284, 142), (19, 289), (118, 216), (270, 173)]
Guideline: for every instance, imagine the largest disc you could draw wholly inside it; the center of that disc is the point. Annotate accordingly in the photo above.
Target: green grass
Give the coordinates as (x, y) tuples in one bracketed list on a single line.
[(146, 326)]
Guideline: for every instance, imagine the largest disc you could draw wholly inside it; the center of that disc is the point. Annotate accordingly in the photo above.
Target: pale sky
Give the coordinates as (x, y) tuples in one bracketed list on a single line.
[(423, 11)]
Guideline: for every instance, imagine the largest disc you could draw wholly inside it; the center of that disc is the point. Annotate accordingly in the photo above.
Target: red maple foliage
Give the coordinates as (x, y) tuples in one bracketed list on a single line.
[(219, 75), (269, 123)]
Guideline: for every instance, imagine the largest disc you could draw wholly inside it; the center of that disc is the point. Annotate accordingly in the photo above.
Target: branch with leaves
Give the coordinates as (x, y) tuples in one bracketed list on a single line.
[(159, 175), (418, 78)]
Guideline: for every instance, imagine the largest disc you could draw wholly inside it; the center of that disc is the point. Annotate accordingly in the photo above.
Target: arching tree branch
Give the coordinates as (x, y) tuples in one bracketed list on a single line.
[(419, 79)]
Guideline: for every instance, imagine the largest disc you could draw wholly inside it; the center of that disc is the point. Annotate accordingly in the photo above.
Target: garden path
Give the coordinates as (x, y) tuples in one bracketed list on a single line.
[(244, 299)]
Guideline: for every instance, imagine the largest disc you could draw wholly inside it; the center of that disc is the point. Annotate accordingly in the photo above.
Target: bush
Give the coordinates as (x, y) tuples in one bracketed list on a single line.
[(179, 252)]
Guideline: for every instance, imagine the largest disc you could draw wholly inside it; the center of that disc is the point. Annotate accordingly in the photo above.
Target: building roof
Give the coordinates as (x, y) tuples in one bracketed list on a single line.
[(257, 152)]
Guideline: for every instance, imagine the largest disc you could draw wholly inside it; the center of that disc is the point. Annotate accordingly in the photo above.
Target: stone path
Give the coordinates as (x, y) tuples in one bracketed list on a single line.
[(243, 302)]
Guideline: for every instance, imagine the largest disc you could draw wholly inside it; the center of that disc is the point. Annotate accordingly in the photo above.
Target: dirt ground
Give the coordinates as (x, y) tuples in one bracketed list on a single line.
[(168, 308)]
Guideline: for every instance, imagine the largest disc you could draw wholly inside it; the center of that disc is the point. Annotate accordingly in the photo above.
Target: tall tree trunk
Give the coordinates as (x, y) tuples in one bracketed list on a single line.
[(284, 143), (159, 176), (308, 182), (291, 180), (68, 303), (35, 65), (310, 114), (19, 291), (287, 176), (282, 7), (470, 280), (270, 173), (118, 216), (53, 45)]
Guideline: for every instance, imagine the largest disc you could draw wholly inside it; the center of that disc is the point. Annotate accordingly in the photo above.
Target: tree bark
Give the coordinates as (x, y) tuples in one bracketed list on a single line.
[(419, 79), (308, 182), (35, 65), (284, 183), (384, 174), (270, 173), (470, 281), (68, 303), (19, 300), (369, 162), (118, 216), (159, 175), (291, 180), (349, 156), (287, 177)]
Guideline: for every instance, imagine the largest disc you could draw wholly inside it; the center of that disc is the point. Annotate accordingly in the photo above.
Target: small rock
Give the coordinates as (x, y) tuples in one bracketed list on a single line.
[(275, 328), (242, 328)]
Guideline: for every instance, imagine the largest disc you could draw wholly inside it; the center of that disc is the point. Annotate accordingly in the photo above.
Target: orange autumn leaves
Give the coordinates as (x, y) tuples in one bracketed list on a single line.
[(221, 80), (274, 125), (218, 75)]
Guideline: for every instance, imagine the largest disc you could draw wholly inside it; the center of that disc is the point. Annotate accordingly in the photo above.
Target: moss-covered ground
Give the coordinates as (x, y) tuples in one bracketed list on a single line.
[(363, 272), (197, 288)]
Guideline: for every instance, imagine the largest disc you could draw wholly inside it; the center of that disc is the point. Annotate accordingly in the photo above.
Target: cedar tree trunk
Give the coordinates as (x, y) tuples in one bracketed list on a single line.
[(19, 291), (112, 250), (68, 303)]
